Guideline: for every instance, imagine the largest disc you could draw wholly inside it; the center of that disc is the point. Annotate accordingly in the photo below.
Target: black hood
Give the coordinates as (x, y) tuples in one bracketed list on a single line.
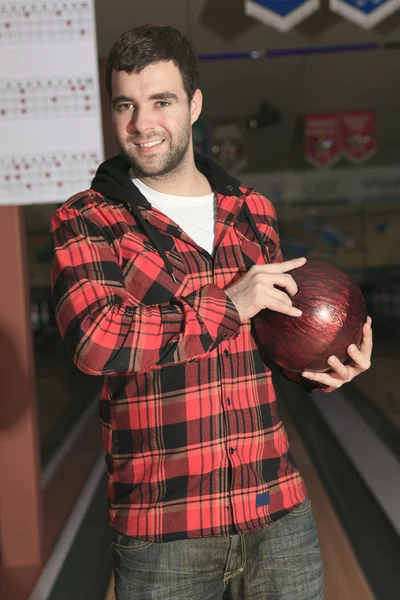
[(112, 180)]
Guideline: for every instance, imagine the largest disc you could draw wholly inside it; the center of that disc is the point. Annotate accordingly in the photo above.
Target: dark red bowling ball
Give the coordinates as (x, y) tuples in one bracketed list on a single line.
[(333, 316)]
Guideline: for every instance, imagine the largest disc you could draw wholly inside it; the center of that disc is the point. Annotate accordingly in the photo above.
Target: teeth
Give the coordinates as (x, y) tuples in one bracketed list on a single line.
[(150, 144)]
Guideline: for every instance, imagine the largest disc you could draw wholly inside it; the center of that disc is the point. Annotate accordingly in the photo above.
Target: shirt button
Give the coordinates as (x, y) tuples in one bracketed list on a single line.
[(231, 450), (224, 336), (228, 401), (226, 353)]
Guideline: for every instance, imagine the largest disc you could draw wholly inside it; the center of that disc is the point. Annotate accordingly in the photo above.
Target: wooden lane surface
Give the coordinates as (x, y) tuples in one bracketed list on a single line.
[(380, 382), (344, 579), (380, 385)]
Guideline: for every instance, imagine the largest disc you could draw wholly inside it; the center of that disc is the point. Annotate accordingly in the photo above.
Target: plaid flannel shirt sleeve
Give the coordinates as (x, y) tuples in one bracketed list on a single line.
[(104, 329)]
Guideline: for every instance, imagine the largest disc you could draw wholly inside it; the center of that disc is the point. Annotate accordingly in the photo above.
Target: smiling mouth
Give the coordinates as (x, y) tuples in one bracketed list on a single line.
[(150, 144)]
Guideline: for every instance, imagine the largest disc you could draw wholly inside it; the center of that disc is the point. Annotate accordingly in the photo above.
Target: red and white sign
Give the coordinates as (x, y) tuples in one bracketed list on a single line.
[(322, 139), (358, 135)]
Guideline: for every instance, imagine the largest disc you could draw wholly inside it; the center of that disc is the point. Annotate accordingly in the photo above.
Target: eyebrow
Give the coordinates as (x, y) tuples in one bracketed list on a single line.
[(156, 96), (118, 99), (163, 96)]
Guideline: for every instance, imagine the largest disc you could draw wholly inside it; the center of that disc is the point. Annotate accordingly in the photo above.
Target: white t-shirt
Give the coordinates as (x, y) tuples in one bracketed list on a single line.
[(195, 215)]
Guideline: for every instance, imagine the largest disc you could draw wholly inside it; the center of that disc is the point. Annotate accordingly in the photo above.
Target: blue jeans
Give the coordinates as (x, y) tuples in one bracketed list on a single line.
[(281, 562)]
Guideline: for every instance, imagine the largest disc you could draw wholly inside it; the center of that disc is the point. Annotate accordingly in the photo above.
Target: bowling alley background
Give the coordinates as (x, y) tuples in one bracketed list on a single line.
[(301, 102)]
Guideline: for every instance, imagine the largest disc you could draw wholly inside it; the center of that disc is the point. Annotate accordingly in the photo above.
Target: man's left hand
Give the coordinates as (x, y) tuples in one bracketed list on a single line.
[(341, 373)]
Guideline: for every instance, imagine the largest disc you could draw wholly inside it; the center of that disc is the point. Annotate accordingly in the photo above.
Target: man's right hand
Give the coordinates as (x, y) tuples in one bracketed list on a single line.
[(256, 290)]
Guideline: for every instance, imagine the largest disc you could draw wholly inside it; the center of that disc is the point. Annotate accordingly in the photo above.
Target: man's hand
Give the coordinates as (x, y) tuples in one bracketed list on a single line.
[(256, 289), (342, 373)]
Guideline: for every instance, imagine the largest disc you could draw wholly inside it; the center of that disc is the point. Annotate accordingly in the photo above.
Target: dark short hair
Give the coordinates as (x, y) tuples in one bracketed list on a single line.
[(147, 44)]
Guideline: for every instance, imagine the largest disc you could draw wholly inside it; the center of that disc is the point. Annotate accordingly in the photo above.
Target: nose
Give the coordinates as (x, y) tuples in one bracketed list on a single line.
[(142, 121)]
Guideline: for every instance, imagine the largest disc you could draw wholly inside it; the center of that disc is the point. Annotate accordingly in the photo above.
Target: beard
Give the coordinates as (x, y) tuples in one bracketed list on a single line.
[(167, 163)]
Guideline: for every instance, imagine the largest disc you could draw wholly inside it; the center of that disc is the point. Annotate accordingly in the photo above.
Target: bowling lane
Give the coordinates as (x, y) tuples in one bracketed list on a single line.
[(63, 392), (380, 383), (344, 578), (110, 592)]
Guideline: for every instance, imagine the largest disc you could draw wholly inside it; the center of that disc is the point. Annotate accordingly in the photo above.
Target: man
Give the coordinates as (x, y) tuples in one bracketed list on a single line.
[(157, 271)]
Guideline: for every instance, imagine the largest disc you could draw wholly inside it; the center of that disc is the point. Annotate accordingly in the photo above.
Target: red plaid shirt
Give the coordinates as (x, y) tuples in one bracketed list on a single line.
[(194, 443)]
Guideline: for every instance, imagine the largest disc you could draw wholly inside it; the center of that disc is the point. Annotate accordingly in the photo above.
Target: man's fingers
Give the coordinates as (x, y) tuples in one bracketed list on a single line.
[(323, 378), (259, 288), (286, 282), (280, 296), (294, 263), (339, 368), (281, 267), (282, 307), (367, 343)]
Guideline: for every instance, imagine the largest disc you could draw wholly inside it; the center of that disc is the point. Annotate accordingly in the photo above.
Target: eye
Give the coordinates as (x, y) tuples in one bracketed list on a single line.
[(124, 107), (163, 103)]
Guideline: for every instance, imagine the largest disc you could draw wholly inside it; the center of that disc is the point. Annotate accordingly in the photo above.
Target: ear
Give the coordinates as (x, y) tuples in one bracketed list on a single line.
[(196, 106)]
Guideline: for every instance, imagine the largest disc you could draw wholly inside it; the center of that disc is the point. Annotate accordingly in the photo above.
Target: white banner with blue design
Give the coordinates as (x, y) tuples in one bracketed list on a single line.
[(281, 14), (367, 13)]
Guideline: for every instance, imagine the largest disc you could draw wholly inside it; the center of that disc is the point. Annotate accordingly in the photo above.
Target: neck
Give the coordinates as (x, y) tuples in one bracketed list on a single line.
[(186, 180)]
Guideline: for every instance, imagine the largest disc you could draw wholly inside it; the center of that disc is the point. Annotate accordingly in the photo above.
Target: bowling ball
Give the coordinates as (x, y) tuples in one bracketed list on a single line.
[(334, 312)]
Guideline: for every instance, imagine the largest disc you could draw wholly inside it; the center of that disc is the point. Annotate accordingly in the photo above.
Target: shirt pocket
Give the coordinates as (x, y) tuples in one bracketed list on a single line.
[(250, 246), (146, 276)]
